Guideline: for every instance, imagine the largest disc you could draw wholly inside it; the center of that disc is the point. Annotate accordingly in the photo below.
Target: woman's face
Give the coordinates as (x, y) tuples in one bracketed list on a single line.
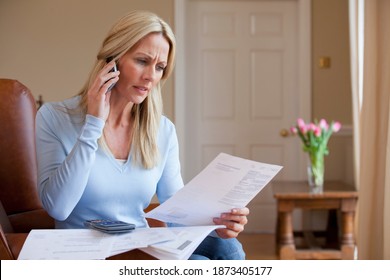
[(142, 67)]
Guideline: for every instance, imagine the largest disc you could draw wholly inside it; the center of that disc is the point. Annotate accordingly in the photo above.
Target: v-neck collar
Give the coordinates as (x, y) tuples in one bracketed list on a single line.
[(121, 166)]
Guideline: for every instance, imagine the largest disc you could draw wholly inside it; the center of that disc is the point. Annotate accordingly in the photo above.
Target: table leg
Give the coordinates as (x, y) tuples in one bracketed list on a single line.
[(286, 236), (347, 238)]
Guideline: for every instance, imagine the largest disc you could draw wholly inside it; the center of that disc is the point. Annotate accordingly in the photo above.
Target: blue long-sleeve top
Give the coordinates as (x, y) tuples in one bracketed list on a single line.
[(78, 180)]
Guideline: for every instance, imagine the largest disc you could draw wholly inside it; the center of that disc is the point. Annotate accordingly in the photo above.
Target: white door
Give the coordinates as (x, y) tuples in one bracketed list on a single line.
[(242, 88)]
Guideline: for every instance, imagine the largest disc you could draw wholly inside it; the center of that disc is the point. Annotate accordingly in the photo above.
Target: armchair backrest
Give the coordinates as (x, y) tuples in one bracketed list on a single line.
[(18, 162)]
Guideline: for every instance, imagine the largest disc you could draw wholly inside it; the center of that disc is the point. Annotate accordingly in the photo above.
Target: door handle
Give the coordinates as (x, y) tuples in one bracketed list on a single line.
[(284, 132)]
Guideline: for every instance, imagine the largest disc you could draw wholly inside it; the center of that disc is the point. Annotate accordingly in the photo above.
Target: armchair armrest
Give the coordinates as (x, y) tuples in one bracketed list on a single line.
[(35, 219), (5, 250), (153, 222)]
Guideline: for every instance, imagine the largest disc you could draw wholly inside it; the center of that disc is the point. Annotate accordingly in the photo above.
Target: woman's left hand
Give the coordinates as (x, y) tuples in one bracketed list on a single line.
[(234, 222)]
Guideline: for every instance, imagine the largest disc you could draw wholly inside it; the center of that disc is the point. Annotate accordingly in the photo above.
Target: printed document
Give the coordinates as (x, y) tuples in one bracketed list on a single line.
[(87, 244), (166, 243), (186, 240), (227, 182), (66, 244)]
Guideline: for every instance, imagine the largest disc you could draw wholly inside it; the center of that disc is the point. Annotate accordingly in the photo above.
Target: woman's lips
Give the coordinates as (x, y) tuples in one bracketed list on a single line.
[(141, 89)]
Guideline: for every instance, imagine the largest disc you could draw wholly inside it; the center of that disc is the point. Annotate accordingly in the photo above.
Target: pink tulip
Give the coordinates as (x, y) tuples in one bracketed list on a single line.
[(301, 123), (294, 130), (336, 126), (323, 124), (317, 131), (301, 126)]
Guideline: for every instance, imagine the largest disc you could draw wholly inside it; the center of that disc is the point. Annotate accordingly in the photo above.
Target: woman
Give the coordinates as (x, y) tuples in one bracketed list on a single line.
[(107, 151)]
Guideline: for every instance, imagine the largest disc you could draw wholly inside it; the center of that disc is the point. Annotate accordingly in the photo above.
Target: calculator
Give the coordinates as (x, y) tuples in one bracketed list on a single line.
[(110, 226)]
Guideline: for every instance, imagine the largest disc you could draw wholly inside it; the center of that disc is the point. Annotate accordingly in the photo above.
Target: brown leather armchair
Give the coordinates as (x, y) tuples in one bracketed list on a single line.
[(18, 166)]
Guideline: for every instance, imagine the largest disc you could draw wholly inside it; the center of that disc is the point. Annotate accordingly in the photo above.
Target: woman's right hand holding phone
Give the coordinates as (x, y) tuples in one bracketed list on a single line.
[(98, 94)]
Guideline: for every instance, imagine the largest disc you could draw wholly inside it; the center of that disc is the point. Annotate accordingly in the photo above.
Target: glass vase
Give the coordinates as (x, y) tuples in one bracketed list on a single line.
[(315, 173)]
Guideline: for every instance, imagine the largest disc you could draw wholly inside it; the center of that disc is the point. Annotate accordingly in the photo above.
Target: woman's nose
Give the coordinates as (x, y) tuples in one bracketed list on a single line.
[(149, 74)]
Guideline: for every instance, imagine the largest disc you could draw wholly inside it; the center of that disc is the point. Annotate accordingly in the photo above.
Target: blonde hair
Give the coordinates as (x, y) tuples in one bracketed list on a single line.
[(125, 34)]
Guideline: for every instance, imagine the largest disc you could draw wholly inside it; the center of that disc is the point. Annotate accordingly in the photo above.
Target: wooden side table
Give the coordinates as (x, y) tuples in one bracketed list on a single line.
[(337, 196)]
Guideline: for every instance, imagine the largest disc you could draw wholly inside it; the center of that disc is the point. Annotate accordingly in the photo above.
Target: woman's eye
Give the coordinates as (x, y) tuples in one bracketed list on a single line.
[(141, 61), (160, 68)]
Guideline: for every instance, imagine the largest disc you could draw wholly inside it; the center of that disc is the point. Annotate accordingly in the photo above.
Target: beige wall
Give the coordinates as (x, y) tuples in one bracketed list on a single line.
[(332, 98), (331, 87), (50, 46)]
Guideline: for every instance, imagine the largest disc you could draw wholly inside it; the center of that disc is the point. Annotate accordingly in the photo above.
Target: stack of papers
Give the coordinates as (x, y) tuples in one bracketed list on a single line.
[(88, 244), (186, 241)]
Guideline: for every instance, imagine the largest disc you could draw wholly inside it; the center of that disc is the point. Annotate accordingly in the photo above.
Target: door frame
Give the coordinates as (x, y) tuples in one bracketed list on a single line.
[(179, 84)]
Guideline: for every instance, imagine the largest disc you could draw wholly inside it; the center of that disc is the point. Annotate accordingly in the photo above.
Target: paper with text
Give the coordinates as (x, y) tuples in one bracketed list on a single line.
[(140, 238), (227, 182), (87, 244), (66, 244), (186, 240)]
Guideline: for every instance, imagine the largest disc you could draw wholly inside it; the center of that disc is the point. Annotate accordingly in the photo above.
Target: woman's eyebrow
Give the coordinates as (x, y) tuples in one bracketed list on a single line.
[(149, 56), (144, 54)]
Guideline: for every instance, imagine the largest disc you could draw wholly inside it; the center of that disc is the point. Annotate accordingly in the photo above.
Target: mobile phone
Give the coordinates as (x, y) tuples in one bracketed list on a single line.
[(110, 226), (113, 69)]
